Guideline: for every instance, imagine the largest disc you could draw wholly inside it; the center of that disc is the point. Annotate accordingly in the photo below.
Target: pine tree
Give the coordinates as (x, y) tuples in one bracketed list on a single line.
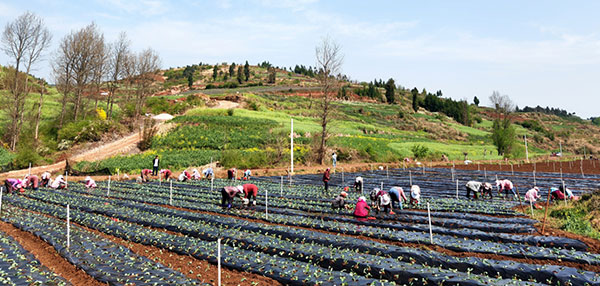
[(246, 71), (215, 72), (415, 99), (476, 101), (240, 75), (232, 69), (390, 91)]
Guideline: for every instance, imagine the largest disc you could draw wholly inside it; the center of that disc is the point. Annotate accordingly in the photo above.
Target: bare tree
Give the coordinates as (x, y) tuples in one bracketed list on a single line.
[(63, 76), (502, 103), (329, 63), (23, 40), (117, 68), (147, 63)]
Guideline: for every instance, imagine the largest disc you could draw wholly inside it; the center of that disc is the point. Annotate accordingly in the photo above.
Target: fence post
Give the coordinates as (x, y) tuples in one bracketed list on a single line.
[(534, 181), (457, 189), (266, 203), (410, 177), (170, 192), (430, 230), (212, 180), (281, 187), (1, 191), (512, 170)]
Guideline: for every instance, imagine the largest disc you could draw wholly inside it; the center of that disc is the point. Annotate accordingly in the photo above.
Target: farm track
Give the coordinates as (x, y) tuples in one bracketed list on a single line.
[(49, 257)]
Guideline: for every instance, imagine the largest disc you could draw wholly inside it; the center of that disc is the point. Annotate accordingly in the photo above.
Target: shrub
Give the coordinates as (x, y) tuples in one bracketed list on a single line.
[(26, 155), (419, 151), (230, 111)]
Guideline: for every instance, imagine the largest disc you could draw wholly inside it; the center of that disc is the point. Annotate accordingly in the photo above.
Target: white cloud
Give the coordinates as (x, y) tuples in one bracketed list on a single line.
[(144, 7)]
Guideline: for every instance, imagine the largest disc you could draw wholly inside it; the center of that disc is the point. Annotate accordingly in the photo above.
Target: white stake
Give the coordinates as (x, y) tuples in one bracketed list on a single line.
[(212, 180), (457, 189), (387, 173), (170, 192), (512, 170), (403, 166), (381, 186), (292, 146), (429, 217), (281, 187), (534, 181), (478, 168), (565, 192), (410, 177), (108, 189), (219, 262), (423, 169), (1, 191), (118, 175), (343, 183), (485, 172), (29, 169), (68, 227), (452, 172), (266, 203), (526, 150)]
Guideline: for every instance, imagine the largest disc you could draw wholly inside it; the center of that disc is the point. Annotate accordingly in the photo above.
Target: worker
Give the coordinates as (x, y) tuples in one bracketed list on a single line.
[(415, 195), (145, 174), (486, 189), (184, 176), (247, 174), (90, 183), (13, 185), (334, 159), (507, 186), (45, 179), (208, 173), (340, 202), (231, 174), (358, 184), (250, 193), (196, 174), (473, 186), (532, 195), (397, 195), (569, 193), (381, 199), (326, 178), (556, 194), (31, 181), (155, 164), (228, 194), (361, 211), (166, 173), (59, 183)]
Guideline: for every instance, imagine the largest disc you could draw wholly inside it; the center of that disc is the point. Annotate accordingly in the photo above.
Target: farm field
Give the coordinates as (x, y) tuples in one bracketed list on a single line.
[(293, 237)]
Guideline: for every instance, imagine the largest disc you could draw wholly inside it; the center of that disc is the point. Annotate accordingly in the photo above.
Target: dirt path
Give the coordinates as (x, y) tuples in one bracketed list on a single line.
[(226, 104)]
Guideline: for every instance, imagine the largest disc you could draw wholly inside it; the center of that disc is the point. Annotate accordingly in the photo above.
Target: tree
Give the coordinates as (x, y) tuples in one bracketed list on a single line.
[(329, 63), (240, 76), (147, 64), (23, 41), (117, 61), (415, 99), (390, 91), (246, 71), (232, 70), (476, 101), (503, 133), (272, 75), (215, 72)]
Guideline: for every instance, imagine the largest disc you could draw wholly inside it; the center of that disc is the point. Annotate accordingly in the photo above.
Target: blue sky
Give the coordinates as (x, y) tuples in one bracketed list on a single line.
[(536, 52)]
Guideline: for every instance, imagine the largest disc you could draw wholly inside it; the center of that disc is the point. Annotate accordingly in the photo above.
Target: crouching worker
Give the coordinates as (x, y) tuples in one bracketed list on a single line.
[(228, 194), (250, 192), (361, 211), (532, 195), (231, 174), (358, 184), (340, 202), (184, 176), (556, 194), (397, 195), (166, 173), (475, 187), (247, 175), (59, 183), (45, 179), (13, 185), (486, 189), (31, 181), (568, 193), (507, 186), (381, 200), (196, 174), (145, 174), (208, 173), (415, 195), (90, 183)]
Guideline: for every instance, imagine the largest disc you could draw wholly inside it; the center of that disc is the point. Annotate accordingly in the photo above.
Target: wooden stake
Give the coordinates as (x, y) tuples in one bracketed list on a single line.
[(219, 262), (430, 230), (546, 212), (68, 227)]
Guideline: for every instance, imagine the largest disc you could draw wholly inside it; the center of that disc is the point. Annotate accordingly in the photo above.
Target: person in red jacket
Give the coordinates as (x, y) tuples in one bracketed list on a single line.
[(146, 175), (326, 178), (250, 191), (361, 211), (166, 173), (228, 194)]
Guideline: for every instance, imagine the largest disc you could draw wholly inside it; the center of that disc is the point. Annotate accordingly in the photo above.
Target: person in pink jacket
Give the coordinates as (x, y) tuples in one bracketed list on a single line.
[(506, 186), (532, 195), (12, 185), (361, 211)]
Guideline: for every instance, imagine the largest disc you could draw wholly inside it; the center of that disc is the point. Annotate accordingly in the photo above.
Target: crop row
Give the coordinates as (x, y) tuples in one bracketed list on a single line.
[(339, 252)]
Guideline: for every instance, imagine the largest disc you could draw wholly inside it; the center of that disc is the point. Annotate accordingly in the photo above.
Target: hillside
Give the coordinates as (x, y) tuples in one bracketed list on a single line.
[(256, 134)]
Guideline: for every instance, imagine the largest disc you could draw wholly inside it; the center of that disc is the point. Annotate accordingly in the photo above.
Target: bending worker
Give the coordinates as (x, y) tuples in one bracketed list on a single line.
[(415, 195), (507, 186), (166, 173), (340, 202), (397, 195), (228, 194), (145, 174), (90, 183), (45, 179), (208, 173), (59, 183), (247, 174), (532, 195), (475, 187), (250, 193), (13, 185), (358, 184), (31, 181)]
